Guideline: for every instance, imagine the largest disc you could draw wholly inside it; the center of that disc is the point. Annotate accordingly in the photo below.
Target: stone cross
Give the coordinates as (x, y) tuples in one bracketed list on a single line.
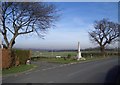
[(79, 53)]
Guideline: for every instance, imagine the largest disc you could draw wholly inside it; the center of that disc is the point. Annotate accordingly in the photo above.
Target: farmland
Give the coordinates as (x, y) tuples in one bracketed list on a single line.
[(72, 53), (51, 54)]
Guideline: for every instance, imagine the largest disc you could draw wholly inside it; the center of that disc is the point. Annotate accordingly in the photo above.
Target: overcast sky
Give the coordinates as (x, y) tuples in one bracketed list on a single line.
[(76, 20)]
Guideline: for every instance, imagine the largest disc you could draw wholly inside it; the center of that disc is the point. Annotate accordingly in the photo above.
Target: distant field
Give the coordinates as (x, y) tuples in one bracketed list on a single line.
[(51, 54), (63, 54)]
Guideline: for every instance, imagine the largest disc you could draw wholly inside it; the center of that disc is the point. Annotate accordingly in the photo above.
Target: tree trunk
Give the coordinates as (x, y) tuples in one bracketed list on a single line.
[(10, 46), (102, 49), (12, 57), (11, 53), (12, 42)]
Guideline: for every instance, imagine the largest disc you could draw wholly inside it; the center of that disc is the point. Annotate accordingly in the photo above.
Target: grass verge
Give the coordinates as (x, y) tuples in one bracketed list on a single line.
[(62, 61), (18, 69)]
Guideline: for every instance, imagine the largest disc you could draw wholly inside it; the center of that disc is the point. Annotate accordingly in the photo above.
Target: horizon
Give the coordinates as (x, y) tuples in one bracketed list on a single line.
[(92, 48)]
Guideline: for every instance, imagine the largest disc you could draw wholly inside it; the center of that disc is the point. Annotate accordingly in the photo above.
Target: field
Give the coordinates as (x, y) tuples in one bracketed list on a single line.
[(51, 54), (72, 53)]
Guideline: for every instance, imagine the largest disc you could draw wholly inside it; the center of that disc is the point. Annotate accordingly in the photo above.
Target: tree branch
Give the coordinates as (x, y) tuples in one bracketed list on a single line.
[(26, 32), (10, 30), (95, 39), (1, 31)]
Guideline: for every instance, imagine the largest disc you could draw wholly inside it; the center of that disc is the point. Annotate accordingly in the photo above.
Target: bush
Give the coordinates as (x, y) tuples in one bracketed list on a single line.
[(69, 56), (22, 55), (98, 54)]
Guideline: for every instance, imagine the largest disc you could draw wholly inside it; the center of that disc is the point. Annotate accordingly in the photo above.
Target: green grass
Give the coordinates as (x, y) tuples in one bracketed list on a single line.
[(72, 53), (55, 60), (17, 69), (62, 61), (51, 54)]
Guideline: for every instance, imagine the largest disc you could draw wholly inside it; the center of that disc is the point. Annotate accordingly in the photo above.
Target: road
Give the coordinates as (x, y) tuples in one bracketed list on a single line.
[(85, 72)]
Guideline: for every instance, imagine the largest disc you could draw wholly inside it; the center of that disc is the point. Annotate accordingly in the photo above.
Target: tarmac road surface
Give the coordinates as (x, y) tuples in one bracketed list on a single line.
[(99, 71)]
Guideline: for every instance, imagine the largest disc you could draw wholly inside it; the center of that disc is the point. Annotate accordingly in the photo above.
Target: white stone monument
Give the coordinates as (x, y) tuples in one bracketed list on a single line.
[(79, 53)]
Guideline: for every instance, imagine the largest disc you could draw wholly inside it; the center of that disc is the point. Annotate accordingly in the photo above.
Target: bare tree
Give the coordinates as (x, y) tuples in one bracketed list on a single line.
[(105, 32), (19, 18)]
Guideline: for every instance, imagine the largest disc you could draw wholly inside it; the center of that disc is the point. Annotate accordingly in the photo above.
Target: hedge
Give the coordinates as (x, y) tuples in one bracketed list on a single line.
[(98, 54), (22, 55)]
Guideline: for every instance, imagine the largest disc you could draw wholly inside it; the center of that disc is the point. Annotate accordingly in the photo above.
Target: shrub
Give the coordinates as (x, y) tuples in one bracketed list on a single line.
[(98, 54), (23, 55), (69, 56)]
